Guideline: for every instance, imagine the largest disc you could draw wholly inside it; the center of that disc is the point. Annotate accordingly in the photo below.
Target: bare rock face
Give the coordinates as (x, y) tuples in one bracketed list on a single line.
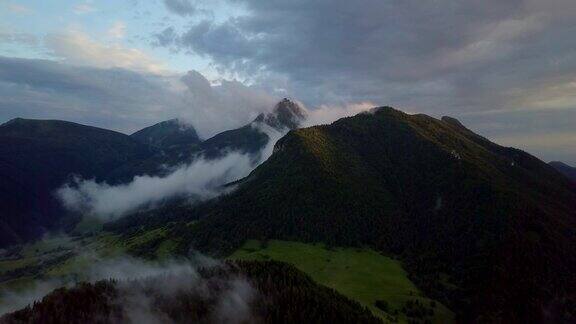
[(286, 114)]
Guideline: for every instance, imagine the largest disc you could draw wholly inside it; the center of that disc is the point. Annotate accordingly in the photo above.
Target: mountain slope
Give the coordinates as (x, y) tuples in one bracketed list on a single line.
[(488, 229), (38, 156), (565, 169), (166, 134), (239, 292)]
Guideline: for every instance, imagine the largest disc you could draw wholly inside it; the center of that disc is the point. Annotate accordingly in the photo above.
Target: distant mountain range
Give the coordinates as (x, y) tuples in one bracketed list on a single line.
[(38, 156), (565, 169)]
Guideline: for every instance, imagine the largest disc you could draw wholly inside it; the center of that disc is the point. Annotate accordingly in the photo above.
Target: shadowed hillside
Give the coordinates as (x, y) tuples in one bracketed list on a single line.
[(38, 156)]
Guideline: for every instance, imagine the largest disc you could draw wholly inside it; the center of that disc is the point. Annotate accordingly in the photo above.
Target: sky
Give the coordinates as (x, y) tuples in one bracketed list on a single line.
[(505, 68)]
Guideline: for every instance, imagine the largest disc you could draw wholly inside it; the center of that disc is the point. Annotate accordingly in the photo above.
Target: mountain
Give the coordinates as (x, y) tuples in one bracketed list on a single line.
[(251, 138), (248, 139), (167, 134), (565, 169), (488, 230), (38, 156), (237, 292), (286, 115)]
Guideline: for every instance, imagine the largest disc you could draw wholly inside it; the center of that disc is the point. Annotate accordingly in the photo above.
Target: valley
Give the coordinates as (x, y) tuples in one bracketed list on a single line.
[(287, 162)]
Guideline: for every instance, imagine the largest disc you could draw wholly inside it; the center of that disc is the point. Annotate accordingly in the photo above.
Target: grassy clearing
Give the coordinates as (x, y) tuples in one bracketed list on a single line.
[(88, 225), (35, 259), (166, 249), (361, 274), (67, 258), (8, 265)]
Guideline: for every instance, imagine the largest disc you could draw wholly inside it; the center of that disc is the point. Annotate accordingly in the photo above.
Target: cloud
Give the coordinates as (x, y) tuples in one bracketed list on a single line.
[(18, 8), (234, 304), (118, 30), (76, 47), (201, 180), (442, 57), (20, 299), (328, 114), (124, 100), (180, 7), (430, 56), (228, 102), (13, 37), (140, 282), (169, 281), (548, 134), (84, 8)]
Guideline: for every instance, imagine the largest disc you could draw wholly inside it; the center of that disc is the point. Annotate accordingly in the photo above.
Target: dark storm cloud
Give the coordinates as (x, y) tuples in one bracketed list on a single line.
[(388, 49), (437, 57)]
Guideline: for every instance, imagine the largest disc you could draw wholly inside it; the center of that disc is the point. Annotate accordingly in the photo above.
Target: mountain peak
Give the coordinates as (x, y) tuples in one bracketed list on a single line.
[(25, 121), (288, 106), (286, 114), (453, 121), (167, 133), (13, 121)]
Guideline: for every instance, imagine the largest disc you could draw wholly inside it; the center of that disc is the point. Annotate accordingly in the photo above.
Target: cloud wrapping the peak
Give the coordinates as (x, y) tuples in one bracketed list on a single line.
[(326, 114), (230, 103)]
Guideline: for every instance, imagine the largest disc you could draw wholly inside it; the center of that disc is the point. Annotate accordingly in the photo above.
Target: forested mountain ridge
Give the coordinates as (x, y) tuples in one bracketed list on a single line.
[(496, 221), (38, 156)]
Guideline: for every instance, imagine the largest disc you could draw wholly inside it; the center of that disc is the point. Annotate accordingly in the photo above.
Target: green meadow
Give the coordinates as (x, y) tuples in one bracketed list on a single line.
[(360, 274)]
